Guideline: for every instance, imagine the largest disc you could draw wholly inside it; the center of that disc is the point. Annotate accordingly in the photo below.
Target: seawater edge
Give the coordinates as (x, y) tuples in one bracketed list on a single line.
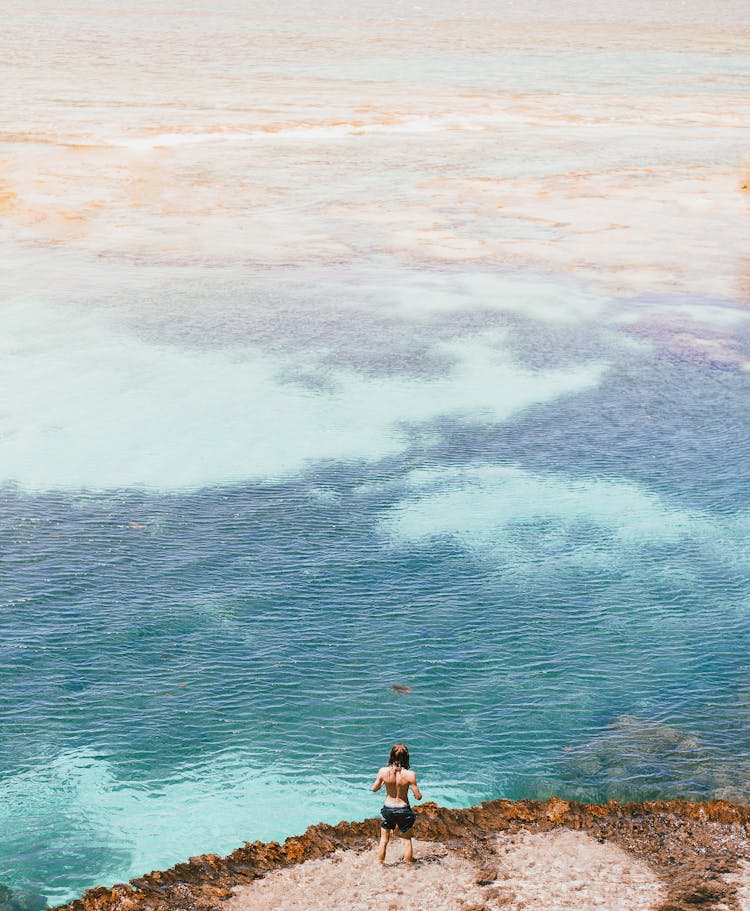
[(694, 848), (189, 272)]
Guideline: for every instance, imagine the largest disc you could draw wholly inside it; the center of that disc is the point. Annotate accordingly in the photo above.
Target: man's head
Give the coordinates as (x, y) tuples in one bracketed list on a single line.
[(399, 755)]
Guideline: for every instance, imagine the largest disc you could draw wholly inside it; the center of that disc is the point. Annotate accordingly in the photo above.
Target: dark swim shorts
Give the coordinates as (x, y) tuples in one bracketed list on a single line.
[(403, 817)]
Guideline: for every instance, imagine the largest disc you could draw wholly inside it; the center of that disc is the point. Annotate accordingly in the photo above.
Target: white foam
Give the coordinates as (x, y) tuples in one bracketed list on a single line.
[(90, 404), (309, 131), (406, 125), (170, 140)]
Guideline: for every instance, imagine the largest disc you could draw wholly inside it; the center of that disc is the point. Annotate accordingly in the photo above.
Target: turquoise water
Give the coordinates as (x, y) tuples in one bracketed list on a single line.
[(386, 346), (564, 589)]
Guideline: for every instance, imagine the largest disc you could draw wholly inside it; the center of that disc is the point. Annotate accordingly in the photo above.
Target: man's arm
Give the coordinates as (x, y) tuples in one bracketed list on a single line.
[(378, 781), (415, 790)]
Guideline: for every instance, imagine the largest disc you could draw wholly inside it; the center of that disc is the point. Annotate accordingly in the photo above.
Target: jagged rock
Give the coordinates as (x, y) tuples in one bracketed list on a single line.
[(694, 847), (556, 810)]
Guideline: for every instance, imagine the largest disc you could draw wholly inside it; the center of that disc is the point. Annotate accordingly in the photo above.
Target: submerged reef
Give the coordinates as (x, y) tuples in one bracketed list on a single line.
[(20, 900), (699, 852)]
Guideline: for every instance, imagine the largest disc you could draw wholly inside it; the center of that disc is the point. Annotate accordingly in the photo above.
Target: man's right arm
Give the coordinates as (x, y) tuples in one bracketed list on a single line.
[(415, 790)]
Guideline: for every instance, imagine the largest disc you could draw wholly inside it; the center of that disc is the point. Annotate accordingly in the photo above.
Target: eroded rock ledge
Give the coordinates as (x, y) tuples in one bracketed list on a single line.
[(695, 848)]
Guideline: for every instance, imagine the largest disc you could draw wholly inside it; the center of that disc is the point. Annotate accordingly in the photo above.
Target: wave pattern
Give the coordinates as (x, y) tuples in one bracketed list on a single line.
[(176, 664), (408, 349)]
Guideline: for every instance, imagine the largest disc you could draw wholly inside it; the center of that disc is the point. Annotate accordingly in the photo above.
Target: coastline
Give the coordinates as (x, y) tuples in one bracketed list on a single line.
[(697, 853), (320, 317)]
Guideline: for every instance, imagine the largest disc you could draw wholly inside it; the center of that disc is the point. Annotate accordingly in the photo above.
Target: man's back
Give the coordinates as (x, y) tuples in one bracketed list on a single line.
[(397, 782)]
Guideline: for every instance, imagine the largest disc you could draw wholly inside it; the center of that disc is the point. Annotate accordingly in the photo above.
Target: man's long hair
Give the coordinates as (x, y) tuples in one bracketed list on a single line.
[(399, 756)]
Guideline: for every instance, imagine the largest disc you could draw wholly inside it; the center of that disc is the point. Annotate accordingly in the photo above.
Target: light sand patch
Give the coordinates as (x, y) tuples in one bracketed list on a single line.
[(552, 871), (559, 870), (741, 879), (439, 880)]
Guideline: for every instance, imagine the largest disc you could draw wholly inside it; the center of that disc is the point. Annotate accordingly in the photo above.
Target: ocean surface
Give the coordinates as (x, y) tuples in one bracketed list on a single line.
[(379, 345)]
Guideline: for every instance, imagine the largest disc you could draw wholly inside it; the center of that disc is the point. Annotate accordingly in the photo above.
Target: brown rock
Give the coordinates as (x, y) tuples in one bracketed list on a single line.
[(556, 810), (692, 847)]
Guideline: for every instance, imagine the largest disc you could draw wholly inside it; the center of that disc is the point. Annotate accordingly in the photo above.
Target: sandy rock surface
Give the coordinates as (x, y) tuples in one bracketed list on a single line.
[(523, 855), (563, 869), (741, 880), (438, 880), (550, 871)]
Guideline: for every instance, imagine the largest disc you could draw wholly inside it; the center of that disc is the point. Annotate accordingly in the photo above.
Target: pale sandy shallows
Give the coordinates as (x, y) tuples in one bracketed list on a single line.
[(742, 880), (551, 871)]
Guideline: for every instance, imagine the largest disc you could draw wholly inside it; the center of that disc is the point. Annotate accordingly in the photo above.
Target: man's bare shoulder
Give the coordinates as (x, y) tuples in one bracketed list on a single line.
[(411, 775)]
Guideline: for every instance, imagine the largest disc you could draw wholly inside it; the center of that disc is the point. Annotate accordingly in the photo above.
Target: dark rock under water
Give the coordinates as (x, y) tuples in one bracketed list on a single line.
[(20, 900), (691, 846)]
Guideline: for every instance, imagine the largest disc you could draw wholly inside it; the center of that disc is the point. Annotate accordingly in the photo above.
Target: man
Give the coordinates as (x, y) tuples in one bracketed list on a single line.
[(396, 812)]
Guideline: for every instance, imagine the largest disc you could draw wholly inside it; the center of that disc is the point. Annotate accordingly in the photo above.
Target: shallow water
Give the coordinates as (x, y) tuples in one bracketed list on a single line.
[(356, 351)]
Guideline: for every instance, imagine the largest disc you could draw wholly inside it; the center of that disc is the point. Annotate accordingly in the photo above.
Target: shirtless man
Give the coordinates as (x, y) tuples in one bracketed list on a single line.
[(396, 812)]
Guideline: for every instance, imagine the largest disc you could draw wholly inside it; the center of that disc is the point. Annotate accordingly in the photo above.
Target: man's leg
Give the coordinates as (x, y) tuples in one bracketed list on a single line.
[(408, 849), (385, 834)]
